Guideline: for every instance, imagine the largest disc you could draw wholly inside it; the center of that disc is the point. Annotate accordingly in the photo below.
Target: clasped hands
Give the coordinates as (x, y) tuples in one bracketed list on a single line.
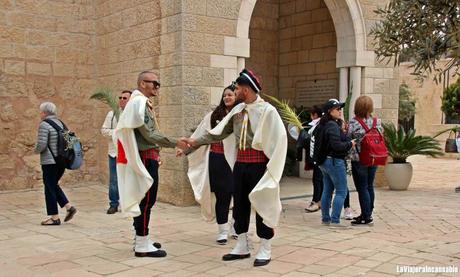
[(184, 144)]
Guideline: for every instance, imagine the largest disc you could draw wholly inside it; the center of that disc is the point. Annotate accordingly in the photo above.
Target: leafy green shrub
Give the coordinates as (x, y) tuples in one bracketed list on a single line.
[(450, 96), (406, 103)]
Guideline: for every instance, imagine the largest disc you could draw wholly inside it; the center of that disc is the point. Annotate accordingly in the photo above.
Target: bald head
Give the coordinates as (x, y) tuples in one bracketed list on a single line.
[(148, 83)]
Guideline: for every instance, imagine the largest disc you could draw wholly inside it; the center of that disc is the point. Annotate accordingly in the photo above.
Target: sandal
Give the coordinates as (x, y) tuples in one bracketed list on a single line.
[(70, 213), (51, 221)]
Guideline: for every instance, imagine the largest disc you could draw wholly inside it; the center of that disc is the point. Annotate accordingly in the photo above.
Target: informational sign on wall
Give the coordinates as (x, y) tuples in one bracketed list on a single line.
[(309, 93)]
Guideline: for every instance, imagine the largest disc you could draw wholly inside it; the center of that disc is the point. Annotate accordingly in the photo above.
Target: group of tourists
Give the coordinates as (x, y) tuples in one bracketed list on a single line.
[(237, 152), (331, 142)]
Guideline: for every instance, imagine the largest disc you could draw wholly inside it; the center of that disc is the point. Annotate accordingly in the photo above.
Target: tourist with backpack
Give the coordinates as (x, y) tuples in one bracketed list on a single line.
[(369, 152), (329, 154), (317, 178), (53, 168)]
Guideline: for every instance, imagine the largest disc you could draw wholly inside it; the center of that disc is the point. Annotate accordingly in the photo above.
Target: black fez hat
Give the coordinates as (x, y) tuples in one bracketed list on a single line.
[(247, 77)]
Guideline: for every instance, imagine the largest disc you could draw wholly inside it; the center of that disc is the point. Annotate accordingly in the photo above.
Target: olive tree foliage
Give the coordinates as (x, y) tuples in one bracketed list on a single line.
[(423, 31), (406, 103)]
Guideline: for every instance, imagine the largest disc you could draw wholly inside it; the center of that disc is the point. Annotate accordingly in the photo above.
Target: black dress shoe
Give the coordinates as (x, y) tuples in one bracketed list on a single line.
[(222, 241), (70, 213), (261, 262), (112, 210), (153, 254), (231, 257)]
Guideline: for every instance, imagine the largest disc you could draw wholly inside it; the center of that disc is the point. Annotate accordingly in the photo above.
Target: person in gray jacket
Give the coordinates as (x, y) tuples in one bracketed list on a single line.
[(46, 146)]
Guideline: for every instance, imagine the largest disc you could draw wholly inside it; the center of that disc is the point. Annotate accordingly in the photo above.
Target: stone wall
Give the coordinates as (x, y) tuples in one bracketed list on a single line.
[(381, 81), (46, 54), (127, 38), (308, 47), (429, 118), (194, 72), (293, 41), (264, 35), (61, 51)]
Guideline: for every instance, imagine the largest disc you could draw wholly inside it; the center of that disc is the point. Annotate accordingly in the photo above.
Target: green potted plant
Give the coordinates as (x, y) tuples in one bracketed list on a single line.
[(400, 146), (450, 96)]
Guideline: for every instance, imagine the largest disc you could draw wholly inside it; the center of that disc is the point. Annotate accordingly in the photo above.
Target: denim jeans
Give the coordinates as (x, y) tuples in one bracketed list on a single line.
[(113, 182), (334, 177), (363, 177)]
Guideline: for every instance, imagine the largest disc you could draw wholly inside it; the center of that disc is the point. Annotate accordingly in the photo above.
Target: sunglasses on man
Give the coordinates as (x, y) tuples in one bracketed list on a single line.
[(122, 98), (155, 83)]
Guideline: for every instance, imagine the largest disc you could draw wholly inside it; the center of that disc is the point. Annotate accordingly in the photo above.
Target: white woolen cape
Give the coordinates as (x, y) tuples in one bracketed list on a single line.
[(198, 168), (133, 178), (271, 138)]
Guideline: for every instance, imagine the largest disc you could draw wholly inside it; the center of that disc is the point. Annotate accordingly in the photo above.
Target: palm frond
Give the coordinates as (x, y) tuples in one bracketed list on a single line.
[(455, 129), (287, 114), (105, 95)]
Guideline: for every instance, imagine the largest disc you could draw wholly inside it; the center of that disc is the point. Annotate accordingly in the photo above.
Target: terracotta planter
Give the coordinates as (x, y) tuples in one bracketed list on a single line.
[(398, 175)]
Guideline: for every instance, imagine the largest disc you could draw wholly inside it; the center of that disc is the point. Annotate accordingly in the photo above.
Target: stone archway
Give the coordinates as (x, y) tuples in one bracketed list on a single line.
[(350, 29), (351, 56)]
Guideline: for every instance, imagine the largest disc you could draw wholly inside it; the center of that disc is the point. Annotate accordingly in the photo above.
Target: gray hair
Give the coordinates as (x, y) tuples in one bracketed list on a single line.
[(48, 108), (141, 75)]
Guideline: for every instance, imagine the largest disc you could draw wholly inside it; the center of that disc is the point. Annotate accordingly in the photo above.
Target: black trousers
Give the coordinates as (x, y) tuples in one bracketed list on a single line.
[(246, 177), (221, 181), (317, 184), (141, 222), (53, 193), (346, 203)]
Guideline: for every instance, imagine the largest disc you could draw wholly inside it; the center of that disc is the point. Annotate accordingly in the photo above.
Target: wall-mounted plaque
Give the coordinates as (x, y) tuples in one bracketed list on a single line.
[(309, 93)]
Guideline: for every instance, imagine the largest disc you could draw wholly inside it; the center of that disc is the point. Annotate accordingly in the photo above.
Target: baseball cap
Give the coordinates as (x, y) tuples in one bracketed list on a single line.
[(332, 103)]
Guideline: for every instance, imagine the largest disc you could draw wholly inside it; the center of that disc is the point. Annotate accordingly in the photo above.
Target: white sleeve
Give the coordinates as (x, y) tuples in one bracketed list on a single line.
[(107, 128)]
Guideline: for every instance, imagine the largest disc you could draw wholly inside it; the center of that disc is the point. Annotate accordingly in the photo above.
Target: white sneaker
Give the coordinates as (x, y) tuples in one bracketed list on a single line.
[(348, 213), (313, 207), (338, 226)]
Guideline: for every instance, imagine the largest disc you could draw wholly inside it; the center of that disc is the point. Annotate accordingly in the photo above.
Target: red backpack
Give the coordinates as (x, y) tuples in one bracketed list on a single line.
[(373, 148)]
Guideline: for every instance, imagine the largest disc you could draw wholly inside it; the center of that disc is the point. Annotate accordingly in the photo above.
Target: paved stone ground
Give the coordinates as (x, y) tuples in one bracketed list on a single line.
[(415, 227)]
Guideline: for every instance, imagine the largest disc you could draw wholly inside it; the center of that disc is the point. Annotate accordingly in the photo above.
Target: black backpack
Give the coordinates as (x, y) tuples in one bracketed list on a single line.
[(302, 143), (320, 147), (69, 154)]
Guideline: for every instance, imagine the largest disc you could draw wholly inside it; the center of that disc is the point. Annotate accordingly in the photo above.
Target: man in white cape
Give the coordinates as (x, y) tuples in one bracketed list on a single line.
[(262, 144), (138, 142)]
